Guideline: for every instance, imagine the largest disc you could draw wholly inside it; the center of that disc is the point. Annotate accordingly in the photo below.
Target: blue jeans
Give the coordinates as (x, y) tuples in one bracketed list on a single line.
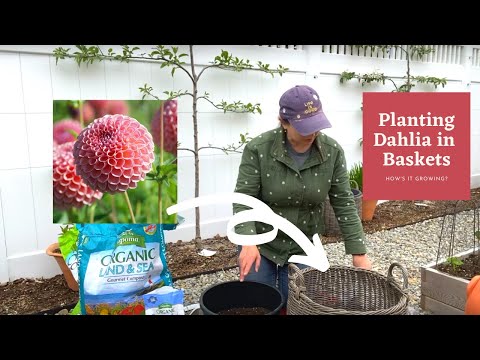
[(271, 274)]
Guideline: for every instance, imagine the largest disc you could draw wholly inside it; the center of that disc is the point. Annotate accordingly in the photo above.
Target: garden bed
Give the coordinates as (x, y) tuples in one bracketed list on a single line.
[(34, 296), (444, 287)]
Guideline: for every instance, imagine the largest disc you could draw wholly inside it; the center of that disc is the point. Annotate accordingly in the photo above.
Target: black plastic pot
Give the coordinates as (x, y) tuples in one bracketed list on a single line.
[(236, 294)]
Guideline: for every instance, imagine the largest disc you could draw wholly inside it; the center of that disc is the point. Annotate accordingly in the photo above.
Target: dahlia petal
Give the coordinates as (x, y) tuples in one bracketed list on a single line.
[(135, 178), (120, 163), (124, 180), (127, 172), (103, 178), (95, 173), (64, 182), (114, 180), (99, 165), (70, 193), (67, 177), (77, 180), (74, 186), (122, 187), (117, 172), (107, 169)]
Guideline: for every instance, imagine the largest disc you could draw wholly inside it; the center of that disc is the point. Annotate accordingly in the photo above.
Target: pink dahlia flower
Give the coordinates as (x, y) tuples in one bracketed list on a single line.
[(99, 106), (116, 107), (108, 107), (69, 190), (88, 113), (64, 130), (114, 153), (169, 127)]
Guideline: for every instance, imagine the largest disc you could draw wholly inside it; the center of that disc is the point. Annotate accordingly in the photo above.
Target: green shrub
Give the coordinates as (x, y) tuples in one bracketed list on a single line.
[(356, 174)]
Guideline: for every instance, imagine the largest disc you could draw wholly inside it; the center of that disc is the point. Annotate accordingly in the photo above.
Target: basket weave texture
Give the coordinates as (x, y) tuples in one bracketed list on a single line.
[(331, 222), (344, 290)]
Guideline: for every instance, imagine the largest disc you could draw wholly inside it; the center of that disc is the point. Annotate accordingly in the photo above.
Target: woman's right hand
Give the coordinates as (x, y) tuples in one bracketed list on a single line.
[(247, 257)]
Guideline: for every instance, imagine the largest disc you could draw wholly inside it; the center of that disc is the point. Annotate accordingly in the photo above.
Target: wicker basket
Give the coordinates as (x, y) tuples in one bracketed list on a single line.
[(331, 222), (343, 290)]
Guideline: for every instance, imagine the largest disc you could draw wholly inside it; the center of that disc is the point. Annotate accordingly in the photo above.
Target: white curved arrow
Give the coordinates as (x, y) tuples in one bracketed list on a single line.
[(315, 253)]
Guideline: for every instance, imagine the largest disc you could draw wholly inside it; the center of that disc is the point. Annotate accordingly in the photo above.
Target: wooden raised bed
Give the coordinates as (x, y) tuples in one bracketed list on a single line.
[(442, 293)]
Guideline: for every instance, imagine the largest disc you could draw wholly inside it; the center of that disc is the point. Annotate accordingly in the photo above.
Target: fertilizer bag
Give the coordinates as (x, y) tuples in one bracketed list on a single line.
[(119, 263)]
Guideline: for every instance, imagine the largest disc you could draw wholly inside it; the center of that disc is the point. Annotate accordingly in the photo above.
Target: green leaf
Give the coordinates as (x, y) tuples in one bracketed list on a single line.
[(76, 310), (67, 240)]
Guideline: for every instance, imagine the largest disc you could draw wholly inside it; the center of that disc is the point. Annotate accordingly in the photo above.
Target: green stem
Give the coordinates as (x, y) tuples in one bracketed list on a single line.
[(160, 215), (160, 204), (80, 109), (69, 216), (92, 213), (129, 207)]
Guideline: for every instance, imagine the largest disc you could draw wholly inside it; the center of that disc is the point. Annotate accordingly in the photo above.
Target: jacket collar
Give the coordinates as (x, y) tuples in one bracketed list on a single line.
[(279, 151)]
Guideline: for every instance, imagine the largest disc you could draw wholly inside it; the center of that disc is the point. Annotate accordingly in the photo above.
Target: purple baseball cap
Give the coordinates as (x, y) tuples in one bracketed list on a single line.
[(302, 108)]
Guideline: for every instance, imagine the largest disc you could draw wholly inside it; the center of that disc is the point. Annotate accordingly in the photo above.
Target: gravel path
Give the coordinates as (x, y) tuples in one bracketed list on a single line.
[(412, 246)]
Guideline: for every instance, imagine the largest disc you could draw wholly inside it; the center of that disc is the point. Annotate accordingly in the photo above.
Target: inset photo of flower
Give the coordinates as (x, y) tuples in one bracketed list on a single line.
[(114, 161)]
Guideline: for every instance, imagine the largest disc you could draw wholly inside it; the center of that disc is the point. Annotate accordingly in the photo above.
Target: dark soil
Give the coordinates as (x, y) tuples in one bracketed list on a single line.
[(469, 268), (33, 296), (183, 259), (26, 296), (394, 214), (245, 311)]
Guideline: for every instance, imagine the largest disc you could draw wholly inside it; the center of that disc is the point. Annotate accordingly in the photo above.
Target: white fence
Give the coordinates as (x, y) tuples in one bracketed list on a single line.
[(30, 80)]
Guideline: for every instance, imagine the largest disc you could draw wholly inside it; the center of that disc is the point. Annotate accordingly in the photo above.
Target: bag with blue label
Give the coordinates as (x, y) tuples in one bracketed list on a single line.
[(164, 301), (119, 263)]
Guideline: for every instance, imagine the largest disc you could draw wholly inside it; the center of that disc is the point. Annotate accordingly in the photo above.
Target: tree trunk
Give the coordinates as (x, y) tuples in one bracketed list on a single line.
[(195, 145)]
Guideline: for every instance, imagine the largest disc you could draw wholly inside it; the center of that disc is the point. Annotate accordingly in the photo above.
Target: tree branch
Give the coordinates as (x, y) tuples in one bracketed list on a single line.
[(393, 82), (205, 68), (186, 149), (210, 101), (219, 148)]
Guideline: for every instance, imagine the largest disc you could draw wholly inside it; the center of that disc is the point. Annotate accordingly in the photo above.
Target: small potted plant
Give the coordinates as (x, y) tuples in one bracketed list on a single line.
[(64, 252), (368, 206)]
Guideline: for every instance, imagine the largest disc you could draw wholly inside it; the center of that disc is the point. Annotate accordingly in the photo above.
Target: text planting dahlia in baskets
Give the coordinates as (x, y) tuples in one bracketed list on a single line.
[(69, 190), (114, 153), (169, 126)]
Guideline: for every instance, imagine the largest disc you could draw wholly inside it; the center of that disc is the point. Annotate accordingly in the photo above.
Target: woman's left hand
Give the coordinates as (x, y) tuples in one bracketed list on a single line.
[(362, 261)]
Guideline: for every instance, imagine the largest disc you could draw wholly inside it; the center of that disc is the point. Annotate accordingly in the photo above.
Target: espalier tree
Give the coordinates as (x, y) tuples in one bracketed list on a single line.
[(411, 52), (170, 57)]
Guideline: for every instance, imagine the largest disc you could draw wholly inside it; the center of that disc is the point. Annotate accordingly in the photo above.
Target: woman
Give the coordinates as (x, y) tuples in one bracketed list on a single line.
[(292, 169)]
